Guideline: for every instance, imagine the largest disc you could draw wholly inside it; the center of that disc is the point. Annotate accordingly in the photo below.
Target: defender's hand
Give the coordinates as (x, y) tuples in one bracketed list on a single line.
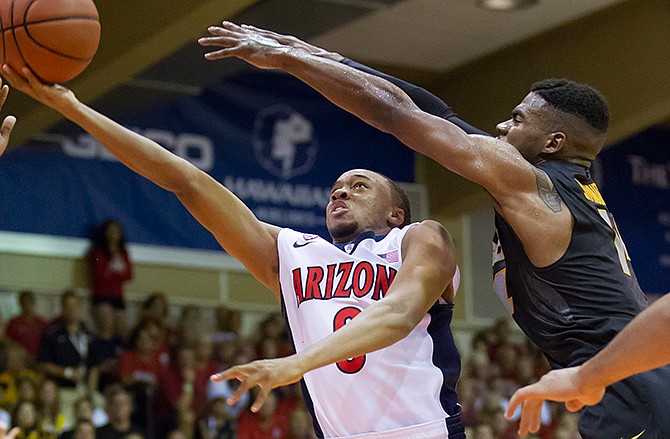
[(296, 43), (243, 43)]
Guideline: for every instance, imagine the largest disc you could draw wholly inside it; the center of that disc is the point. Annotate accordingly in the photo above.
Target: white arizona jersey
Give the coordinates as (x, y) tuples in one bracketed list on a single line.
[(406, 384)]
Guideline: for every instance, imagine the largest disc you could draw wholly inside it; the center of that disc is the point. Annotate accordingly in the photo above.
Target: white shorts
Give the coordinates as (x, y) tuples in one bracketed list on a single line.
[(429, 430)]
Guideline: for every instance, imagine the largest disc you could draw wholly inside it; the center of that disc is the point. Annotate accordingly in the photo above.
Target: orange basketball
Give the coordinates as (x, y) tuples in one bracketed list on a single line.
[(55, 38)]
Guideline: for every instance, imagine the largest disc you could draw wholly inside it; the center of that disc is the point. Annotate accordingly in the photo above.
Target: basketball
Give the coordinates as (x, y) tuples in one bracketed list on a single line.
[(55, 38)]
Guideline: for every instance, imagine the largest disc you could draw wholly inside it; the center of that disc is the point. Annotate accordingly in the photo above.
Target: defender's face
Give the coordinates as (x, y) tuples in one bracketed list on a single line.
[(527, 130), (360, 200)]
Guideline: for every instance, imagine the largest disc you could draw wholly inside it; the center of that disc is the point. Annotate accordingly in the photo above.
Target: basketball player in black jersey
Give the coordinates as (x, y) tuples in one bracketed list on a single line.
[(628, 354), (559, 265)]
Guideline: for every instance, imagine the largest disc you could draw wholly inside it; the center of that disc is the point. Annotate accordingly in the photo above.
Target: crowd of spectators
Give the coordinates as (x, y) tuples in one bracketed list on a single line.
[(81, 375), (71, 378), (498, 363)]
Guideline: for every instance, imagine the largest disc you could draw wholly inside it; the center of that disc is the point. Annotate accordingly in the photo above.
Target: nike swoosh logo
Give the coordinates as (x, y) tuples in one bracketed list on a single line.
[(297, 245), (636, 437)]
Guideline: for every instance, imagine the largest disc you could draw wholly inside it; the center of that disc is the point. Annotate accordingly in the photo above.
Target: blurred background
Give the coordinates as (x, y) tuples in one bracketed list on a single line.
[(481, 57)]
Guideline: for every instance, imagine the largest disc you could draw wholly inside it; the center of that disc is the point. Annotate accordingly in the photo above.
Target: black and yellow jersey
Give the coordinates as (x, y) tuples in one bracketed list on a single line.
[(572, 308)]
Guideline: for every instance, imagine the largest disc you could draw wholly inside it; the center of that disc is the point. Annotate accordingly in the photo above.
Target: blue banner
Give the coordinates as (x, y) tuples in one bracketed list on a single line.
[(635, 182), (273, 141)]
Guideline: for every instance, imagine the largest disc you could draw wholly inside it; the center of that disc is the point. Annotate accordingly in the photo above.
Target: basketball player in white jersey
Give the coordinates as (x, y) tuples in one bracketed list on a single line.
[(369, 313)]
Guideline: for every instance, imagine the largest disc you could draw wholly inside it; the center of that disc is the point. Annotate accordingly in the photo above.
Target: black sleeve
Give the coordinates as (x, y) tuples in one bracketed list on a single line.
[(423, 99)]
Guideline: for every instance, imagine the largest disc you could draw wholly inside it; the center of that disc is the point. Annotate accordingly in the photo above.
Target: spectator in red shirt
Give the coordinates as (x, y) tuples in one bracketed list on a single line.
[(140, 370), (204, 357), (156, 308), (110, 268), (140, 363), (182, 397), (26, 329)]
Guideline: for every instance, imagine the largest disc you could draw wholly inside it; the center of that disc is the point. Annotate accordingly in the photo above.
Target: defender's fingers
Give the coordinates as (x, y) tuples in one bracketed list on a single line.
[(221, 54), (219, 31), (226, 27), (268, 33), (230, 25), (225, 41)]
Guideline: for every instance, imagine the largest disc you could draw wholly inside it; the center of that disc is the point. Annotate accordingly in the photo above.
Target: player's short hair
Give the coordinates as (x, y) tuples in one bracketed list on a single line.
[(401, 199), (575, 98)]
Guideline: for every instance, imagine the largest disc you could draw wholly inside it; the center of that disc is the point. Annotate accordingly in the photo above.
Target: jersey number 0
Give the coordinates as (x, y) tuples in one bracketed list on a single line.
[(351, 365)]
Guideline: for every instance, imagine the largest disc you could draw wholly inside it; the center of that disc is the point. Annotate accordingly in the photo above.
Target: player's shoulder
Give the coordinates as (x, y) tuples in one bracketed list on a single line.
[(294, 239), (427, 232), (426, 226)]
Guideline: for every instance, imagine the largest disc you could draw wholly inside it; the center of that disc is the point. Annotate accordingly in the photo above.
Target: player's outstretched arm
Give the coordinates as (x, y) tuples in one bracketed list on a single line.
[(641, 346), (424, 99), (419, 284), (493, 164), (235, 227), (9, 121), (296, 43), (524, 195)]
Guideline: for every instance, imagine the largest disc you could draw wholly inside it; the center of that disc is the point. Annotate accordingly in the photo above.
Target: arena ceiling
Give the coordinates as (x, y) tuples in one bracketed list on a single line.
[(148, 52)]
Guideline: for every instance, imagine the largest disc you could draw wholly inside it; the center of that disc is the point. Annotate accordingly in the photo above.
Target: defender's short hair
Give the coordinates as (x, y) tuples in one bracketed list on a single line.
[(575, 98)]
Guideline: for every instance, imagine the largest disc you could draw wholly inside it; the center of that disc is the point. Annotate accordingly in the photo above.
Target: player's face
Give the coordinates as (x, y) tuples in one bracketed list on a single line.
[(527, 130), (360, 201)]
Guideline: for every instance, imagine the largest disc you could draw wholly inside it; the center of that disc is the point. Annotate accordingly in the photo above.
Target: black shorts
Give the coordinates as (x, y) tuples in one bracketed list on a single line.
[(635, 408), (115, 301)]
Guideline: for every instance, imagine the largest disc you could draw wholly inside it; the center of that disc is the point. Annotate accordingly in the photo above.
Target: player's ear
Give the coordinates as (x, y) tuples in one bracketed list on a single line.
[(555, 142), (396, 218)]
